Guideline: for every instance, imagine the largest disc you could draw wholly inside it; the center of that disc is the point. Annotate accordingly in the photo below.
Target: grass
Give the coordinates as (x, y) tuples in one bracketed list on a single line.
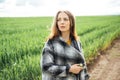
[(22, 40)]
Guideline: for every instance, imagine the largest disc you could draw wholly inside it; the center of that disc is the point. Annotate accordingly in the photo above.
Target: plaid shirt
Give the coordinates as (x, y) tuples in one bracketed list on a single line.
[(57, 57)]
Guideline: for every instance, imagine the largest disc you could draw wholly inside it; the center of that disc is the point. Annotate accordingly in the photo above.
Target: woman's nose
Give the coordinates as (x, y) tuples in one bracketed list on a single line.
[(62, 21)]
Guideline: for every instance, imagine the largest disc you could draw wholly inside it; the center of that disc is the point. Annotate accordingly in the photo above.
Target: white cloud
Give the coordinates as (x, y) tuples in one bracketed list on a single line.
[(50, 7), (31, 2)]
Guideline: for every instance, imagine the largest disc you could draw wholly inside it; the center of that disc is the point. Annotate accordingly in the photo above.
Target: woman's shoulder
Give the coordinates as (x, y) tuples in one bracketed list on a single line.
[(75, 39), (50, 41), (78, 41)]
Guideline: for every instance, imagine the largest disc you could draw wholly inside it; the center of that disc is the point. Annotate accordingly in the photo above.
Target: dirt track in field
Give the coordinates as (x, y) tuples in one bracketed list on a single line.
[(107, 66)]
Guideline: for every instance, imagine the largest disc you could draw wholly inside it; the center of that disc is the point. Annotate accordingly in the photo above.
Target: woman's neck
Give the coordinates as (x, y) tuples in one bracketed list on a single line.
[(66, 35)]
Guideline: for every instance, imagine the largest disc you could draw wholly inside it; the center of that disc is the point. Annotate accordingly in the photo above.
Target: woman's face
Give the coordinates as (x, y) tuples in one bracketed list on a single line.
[(63, 22)]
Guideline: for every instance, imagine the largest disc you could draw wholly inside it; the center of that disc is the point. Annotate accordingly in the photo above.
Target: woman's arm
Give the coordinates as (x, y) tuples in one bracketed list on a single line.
[(48, 65), (85, 65)]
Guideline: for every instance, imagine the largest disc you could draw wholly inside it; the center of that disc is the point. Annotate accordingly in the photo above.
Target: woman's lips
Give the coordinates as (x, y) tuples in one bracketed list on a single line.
[(62, 26)]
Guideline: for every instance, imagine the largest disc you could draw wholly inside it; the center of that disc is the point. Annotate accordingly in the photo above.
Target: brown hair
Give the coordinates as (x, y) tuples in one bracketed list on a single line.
[(55, 32)]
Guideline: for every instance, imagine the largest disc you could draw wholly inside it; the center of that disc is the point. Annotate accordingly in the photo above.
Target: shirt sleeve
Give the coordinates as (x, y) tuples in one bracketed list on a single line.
[(85, 71), (81, 49), (48, 63)]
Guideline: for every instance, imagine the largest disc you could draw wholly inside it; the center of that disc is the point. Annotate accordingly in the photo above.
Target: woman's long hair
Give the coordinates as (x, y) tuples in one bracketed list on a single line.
[(55, 32)]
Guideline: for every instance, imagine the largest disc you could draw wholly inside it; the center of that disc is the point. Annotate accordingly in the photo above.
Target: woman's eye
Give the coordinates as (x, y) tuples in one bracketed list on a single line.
[(65, 19), (58, 19)]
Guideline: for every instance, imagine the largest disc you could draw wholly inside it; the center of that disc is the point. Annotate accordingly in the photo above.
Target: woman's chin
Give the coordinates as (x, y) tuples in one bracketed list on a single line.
[(63, 30)]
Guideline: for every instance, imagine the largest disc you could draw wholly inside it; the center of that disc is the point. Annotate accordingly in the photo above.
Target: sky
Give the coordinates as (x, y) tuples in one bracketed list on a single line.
[(27, 8)]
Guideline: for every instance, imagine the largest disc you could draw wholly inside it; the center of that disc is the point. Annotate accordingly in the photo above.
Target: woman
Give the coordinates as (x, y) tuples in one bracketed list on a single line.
[(62, 57)]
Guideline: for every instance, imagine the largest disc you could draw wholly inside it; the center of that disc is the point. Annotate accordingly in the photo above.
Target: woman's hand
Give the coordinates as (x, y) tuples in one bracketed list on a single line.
[(75, 68)]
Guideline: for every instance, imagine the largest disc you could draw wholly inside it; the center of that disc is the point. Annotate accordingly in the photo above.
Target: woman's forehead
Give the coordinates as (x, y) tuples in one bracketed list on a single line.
[(62, 14)]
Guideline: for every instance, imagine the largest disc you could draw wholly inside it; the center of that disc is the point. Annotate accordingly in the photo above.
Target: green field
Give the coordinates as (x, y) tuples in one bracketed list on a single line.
[(22, 40)]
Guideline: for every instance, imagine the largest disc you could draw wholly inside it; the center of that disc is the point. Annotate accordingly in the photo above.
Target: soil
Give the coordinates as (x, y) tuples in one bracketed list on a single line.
[(107, 65)]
